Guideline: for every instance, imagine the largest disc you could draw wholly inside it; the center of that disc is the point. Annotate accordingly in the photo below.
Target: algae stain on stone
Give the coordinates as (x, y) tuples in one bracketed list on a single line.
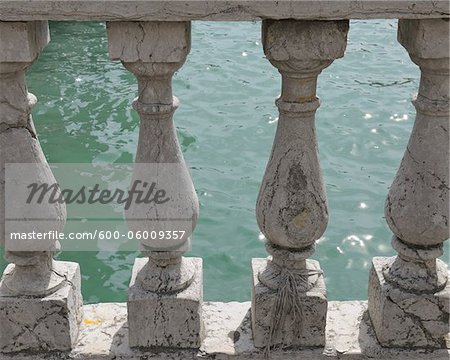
[(301, 219)]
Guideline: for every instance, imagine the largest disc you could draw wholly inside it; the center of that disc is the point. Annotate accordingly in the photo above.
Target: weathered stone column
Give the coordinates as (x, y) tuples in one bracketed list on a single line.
[(409, 293), (40, 299), (166, 291), (289, 302)]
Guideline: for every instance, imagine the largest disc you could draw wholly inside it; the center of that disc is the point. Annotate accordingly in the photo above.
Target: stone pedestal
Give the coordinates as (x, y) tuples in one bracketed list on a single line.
[(42, 323), (169, 319), (314, 311), (403, 318)]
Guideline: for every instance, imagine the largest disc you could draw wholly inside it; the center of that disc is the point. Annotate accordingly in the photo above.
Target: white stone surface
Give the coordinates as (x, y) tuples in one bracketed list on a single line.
[(42, 324), (27, 286), (153, 51), (409, 294), (286, 41), (314, 311), (104, 336), (419, 38), (422, 180), (291, 208), (149, 41), (18, 144), (406, 319), (32, 37), (166, 319), (175, 10), (20, 44), (166, 290), (289, 301)]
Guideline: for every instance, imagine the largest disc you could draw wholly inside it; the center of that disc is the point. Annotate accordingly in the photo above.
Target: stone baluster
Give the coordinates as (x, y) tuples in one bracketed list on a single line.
[(289, 302), (409, 293), (165, 295), (40, 298)]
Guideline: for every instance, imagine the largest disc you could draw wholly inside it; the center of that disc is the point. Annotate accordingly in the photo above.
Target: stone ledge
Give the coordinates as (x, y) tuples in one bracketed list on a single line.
[(104, 335), (175, 10)]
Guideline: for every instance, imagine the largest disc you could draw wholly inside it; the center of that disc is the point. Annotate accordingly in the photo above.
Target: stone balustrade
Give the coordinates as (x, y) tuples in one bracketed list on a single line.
[(407, 313)]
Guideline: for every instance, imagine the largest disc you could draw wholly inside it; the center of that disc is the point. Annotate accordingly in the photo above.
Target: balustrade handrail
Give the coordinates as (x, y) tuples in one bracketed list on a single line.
[(220, 10)]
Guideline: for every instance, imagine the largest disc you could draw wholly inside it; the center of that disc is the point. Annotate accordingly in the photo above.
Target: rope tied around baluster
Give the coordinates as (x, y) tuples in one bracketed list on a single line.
[(288, 301)]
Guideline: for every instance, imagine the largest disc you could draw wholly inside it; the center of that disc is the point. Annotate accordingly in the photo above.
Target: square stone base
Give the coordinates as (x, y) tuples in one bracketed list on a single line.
[(166, 320), (403, 319), (314, 305), (50, 323)]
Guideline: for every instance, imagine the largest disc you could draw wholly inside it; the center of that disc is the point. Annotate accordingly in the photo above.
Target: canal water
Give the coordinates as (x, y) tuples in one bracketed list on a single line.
[(225, 124)]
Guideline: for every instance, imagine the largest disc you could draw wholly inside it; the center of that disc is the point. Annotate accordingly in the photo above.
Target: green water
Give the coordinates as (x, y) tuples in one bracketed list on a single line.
[(226, 123)]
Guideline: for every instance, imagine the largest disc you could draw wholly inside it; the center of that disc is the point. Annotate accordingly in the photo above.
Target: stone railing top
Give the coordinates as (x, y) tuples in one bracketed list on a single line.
[(175, 10)]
